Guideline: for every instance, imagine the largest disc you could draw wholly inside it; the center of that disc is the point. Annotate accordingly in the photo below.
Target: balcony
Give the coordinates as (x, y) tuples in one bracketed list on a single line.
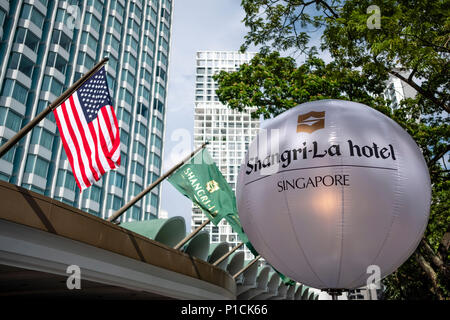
[(90, 204), (25, 50), (58, 75), (28, 24), (65, 193), (19, 76), (30, 178), (10, 102), (61, 51), (41, 151)]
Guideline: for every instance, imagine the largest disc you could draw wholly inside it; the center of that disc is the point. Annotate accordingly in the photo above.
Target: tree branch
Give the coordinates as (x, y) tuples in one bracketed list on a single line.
[(435, 257), (428, 43), (327, 6), (438, 156), (420, 90), (445, 245), (430, 273)]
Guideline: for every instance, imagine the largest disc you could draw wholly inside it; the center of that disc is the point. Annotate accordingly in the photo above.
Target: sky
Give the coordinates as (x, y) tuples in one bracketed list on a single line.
[(196, 25)]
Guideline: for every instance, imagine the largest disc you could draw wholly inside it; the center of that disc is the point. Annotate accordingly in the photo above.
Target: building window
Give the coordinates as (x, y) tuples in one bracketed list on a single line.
[(152, 177), (148, 60), (31, 13), (10, 154), (65, 179), (158, 123), (158, 105), (115, 5), (135, 9), (137, 169), (156, 161), (164, 28), (154, 200), (89, 40), (161, 73), (148, 43), (37, 166), (116, 179), (141, 129), (42, 137), (14, 89), (143, 92), (113, 42), (54, 60), (133, 25), (128, 57), (135, 189), (136, 213), (153, 14), (161, 90), (142, 110), (113, 202), (113, 22), (123, 114), (123, 158), (129, 77), (61, 39), (139, 148), (52, 85), (22, 63), (33, 188), (25, 36), (93, 193), (162, 57), (2, 17), (98, 6), (156, 141), (124, 136)]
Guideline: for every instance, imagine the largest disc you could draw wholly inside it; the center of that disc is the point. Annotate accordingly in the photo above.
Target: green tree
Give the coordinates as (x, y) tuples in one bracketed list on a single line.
[(411, 44)]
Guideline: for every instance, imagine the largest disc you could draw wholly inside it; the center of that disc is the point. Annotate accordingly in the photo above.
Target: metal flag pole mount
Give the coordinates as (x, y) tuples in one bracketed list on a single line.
[(246, 267), (122, 210), (33, 122), (334, 293), (227, 254), (191, 235)]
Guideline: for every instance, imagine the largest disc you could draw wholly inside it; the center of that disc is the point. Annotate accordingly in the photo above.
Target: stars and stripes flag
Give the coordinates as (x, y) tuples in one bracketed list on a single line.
[(89, 130)]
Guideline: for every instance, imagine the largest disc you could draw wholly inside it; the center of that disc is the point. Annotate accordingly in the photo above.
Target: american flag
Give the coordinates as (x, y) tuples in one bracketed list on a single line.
[(89, 130)]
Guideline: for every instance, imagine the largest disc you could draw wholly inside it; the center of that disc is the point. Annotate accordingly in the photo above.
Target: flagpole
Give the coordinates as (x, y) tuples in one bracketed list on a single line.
[(33, 122), (227, 254), (190, 236), (246, 267), (122, 210)]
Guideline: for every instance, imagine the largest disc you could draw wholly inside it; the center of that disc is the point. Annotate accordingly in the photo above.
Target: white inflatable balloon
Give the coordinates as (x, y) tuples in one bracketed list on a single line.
[(330, 188)]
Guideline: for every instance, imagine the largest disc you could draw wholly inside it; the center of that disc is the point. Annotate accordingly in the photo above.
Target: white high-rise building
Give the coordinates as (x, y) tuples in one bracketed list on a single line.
[(228, 131), (397, 90)]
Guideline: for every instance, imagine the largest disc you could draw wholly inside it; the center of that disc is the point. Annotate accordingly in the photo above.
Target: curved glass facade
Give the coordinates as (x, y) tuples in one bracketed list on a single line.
[(46, 46)]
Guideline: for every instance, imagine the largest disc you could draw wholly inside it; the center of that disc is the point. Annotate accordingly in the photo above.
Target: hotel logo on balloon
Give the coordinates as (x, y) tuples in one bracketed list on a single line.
[(311, 121)]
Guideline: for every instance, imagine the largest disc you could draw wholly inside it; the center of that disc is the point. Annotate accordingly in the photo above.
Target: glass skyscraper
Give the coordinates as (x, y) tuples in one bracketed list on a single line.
[(228, 131), (45, 47)]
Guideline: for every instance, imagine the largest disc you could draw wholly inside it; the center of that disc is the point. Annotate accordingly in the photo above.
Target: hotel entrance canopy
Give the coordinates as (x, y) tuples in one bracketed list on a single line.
[(40, 237)]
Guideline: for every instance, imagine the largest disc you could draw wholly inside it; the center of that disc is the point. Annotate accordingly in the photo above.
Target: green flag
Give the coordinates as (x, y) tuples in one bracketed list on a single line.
[(201, 181), (235, 223), (287, 281)]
